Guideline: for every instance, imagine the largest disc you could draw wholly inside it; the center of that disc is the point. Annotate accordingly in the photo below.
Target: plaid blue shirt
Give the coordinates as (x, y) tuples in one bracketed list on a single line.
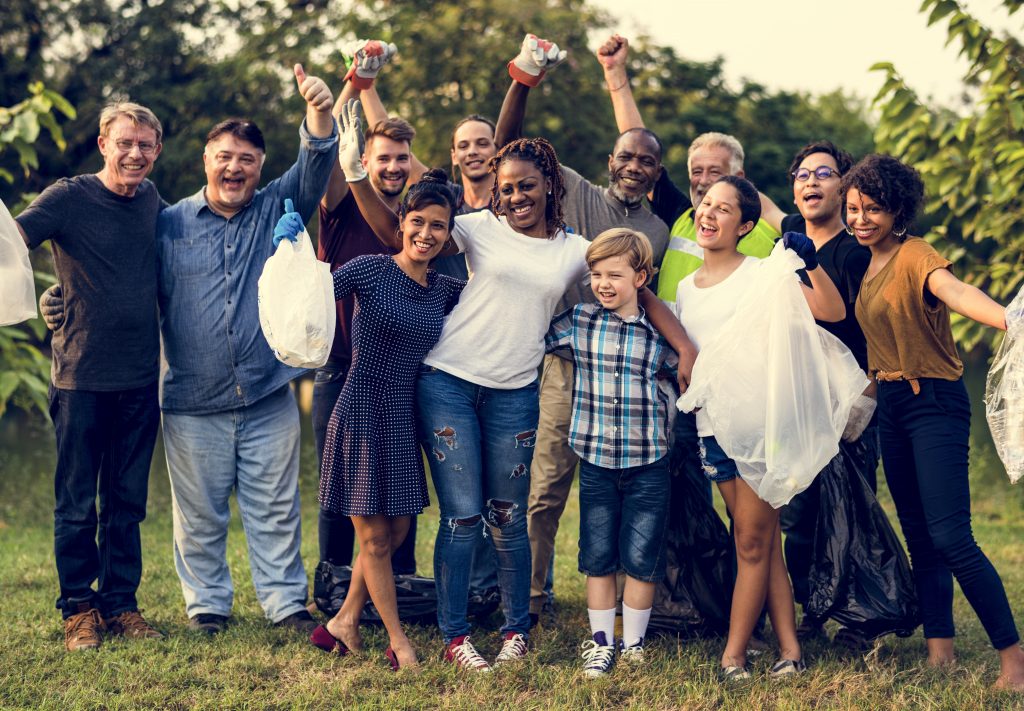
[(619, 420)]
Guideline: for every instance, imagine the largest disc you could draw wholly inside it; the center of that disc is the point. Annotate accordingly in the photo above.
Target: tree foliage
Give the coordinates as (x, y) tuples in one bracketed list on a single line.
[(972, 163), (24, 370), (195, 62)]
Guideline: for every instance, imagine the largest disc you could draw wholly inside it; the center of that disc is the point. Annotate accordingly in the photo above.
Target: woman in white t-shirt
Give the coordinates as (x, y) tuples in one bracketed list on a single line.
[(477, 392), (705, 300)]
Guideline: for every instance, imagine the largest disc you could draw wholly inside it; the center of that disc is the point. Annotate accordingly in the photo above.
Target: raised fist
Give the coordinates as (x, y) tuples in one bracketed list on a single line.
[(536, 56), (364, 59), (613, 52)]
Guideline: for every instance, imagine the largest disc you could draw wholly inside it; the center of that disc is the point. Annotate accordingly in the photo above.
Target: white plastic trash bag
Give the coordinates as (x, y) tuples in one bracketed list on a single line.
[(777, 388), (1004, 392), (296, 300), (17, 286)]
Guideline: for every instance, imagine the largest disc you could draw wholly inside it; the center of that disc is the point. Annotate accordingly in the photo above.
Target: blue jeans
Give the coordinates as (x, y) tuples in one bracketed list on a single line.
[(718, 467), (623, 513), (255, 452), (335, 532), (104, 446), (480, 445), (924, 440)]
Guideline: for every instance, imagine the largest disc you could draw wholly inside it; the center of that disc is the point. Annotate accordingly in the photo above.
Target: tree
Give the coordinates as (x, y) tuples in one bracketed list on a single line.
[(972, 164), (24, 370)]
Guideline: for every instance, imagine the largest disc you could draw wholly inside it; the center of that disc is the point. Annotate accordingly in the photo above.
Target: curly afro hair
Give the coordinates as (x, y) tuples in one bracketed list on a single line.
[(894, 185)]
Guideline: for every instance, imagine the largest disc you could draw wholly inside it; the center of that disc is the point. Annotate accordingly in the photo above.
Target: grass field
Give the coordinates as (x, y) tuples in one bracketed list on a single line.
[(255, 666)]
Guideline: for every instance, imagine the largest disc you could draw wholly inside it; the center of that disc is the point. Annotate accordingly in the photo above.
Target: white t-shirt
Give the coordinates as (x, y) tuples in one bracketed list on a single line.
[(495, 335), (703, 311)]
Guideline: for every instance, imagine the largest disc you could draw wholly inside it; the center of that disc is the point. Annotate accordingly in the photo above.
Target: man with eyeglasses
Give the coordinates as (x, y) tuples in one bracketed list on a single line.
[(816, 173), (103, 391)]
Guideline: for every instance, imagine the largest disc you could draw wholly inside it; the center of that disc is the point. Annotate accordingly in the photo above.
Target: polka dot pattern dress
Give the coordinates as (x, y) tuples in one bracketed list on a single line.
[(371, 462)]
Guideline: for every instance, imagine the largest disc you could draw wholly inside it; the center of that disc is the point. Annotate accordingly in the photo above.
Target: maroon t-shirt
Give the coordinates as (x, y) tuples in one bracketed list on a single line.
[(345, 235)]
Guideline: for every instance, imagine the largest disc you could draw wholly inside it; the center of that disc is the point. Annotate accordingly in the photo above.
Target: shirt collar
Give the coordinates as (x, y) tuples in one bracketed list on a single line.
[(640, 319)]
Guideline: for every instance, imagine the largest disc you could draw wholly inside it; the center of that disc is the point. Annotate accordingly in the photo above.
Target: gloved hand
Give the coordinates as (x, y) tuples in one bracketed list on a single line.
[(290, 224), (51, 306), (351, 142), (536, 56), (803, 246), (860, 416), (364, 58)]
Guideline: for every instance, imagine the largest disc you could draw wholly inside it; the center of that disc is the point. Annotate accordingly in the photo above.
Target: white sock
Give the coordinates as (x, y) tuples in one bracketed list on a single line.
[(603, 621), (634, 624)]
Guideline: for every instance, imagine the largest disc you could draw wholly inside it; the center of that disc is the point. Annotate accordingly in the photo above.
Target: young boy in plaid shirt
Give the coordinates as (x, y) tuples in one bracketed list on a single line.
[(620, 431)]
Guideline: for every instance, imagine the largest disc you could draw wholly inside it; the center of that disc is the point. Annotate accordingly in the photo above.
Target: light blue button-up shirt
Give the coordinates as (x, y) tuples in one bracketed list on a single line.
[(215, 357)]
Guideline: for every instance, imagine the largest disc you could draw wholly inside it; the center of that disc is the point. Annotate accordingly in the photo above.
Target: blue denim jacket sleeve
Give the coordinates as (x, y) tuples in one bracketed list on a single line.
[(215, 357)]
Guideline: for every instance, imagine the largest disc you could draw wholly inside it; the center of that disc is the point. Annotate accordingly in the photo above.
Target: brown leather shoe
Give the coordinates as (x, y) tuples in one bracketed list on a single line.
[(83, 630), (133, 625)]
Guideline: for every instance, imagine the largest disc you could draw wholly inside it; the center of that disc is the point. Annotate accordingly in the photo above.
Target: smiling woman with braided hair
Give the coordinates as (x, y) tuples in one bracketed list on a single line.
[(476, 395)]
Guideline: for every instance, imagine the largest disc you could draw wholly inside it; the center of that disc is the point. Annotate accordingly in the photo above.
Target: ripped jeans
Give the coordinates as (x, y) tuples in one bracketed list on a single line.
[(479, 443)]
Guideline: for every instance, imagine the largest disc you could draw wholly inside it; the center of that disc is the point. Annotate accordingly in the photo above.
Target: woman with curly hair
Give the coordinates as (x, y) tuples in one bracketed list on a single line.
[(924, 412)]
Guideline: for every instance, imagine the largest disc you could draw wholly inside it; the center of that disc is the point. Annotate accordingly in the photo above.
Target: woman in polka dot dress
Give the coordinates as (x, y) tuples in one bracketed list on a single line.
[(372, 469)]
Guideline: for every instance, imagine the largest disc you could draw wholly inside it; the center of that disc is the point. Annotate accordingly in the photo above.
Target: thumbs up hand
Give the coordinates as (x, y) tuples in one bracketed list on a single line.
[(313, 90)]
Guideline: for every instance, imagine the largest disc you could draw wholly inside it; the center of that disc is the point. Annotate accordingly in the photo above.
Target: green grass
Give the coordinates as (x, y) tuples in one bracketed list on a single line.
[(253, 665)]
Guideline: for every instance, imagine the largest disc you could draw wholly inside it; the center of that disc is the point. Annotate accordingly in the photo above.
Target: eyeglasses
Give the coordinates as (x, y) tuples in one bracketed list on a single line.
[(127, 146), (822, 172)]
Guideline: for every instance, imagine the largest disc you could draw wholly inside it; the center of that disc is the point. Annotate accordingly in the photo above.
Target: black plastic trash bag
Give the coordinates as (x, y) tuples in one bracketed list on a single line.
[(860, 577), (695, 597), (417, 597)]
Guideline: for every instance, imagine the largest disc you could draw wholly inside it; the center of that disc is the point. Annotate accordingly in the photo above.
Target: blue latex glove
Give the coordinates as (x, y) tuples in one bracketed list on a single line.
[(290, 224), (803, 246)]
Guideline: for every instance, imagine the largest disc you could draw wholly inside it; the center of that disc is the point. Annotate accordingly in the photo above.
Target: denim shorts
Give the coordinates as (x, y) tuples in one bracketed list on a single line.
[(717, 465), (623, 514)]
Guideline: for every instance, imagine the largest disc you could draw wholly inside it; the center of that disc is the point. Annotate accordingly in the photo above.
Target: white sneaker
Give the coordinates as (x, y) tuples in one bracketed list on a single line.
[(598, 656), (462, 653), (513, 648), (632, 655)]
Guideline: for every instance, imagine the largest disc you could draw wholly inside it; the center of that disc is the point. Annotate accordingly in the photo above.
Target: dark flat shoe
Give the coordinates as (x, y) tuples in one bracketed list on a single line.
[(392, 658), (326, 641)]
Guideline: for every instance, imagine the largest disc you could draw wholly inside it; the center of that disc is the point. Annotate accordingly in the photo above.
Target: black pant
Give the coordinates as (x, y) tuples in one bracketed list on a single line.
[(924, 440), (335, 532), (799, 518), (104, 445)]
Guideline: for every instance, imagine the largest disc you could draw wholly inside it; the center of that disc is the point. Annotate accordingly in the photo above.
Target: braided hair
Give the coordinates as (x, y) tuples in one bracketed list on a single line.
[(542, 155), (431, 189)]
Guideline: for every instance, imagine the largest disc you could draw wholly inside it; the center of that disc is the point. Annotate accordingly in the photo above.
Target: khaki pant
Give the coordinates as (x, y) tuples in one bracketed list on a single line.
[(554, 464)]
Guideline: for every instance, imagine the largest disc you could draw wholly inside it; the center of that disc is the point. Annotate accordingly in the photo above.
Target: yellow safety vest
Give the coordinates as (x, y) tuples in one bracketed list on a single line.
[(684, 256)]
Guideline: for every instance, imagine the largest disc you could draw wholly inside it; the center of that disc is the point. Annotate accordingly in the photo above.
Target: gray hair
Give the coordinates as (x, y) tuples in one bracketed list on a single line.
[(713, 139), (136, 113)]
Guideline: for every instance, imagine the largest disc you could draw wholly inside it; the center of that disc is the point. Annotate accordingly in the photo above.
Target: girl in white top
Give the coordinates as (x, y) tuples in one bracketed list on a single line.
[(705, 300)]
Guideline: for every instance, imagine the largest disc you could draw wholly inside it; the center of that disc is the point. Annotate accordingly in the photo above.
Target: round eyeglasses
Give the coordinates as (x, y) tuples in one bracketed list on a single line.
[(822, 172)]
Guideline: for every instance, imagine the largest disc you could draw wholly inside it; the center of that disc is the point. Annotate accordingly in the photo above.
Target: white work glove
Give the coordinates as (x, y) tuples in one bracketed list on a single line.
[(860, 415), (536, 56), (351, 142), (364, 59)]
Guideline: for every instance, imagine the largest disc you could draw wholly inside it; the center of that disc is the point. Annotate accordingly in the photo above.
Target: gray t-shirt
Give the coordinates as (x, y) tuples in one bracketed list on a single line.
[(104, 248), (589, 210)]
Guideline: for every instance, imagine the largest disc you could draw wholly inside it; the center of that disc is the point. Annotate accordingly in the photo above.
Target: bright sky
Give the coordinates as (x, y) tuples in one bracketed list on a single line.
[(815, 45)]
